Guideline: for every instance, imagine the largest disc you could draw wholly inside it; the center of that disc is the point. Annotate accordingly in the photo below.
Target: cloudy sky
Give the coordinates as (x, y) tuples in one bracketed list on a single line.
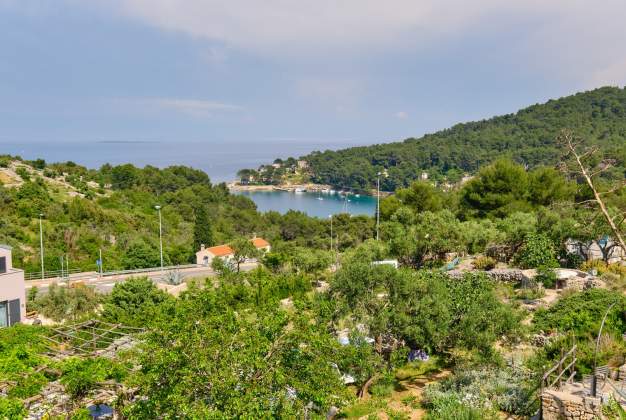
[(359, 70)]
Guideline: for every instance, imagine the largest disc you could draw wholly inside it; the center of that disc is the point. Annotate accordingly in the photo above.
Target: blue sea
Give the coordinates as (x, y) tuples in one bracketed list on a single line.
[(219, 159)]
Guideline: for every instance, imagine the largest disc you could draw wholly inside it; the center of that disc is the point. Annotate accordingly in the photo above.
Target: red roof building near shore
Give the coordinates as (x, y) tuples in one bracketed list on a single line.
[(205, 255)]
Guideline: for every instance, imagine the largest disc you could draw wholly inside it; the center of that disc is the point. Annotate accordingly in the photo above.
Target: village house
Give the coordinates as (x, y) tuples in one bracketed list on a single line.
[(205, 255), (604, 248), (12, 290)]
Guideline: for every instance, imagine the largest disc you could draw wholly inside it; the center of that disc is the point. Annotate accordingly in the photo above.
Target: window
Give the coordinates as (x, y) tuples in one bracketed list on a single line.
[(3, 265), (4, 314)]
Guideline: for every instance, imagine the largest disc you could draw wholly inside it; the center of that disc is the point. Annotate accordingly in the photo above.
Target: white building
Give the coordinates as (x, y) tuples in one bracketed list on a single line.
[(205, 255), (12, 290), (596, 250)]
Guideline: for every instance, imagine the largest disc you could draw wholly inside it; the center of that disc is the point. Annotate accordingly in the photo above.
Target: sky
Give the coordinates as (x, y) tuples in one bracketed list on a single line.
[(323, 71)]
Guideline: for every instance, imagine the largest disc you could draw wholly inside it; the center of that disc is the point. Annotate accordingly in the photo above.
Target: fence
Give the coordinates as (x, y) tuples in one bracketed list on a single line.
[(50, 274), (76, 274)]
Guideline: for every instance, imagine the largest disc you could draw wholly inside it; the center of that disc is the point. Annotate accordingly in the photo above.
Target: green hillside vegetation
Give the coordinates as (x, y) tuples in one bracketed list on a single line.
[(527, 137), (112, 209), (280, 341)]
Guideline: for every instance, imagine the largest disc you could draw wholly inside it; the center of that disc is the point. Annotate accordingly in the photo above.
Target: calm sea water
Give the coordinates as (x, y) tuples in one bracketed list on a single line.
[(311, 204), (221, 160)]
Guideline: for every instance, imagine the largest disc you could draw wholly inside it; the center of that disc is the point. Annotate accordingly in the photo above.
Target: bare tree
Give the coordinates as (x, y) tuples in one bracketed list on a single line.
[(580, 159)]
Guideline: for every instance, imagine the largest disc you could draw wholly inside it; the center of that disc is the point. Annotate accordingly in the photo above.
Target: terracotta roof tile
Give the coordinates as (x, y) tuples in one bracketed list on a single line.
[(220, 250), (260, 242)]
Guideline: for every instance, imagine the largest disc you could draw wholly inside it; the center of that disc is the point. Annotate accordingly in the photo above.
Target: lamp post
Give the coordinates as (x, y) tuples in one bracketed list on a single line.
[(594, 379), (158, 208), (41, 243), (331, 232), (377, 204)]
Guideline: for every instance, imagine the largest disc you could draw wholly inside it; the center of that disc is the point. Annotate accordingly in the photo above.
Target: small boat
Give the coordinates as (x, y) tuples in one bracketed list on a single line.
[(300, 190), (357, 195), (319, 198)]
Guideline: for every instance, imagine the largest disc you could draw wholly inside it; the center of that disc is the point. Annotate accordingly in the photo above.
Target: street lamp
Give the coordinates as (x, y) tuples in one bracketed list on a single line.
[(41, 243), (377, 204), (158, 208), (331, 232)]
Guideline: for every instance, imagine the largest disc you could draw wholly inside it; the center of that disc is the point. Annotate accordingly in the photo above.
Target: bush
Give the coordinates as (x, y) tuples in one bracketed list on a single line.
[(581, 314), (61, 303), (484, 263), (531, 293), (79, 376), (547, 277), (537, 251), (481, 392), (11, 408)]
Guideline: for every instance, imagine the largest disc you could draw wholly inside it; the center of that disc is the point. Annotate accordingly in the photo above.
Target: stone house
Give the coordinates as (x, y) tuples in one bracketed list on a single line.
[(12, 290), (601, 249), (205, 255)]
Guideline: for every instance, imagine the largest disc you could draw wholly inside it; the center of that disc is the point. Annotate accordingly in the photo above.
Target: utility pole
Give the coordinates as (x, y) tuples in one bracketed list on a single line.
[(160, 234), (41, 243), (331, 232), (377, 204)]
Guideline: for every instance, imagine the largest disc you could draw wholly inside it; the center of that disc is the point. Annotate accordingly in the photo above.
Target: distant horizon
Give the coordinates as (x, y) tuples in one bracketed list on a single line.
[(164, 70)]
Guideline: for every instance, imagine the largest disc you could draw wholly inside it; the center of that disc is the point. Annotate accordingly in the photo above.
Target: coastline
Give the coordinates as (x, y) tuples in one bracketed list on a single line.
[(235, 186)]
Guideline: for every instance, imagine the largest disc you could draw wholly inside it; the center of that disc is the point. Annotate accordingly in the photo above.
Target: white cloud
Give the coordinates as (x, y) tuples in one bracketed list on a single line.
[(192, 107), (303, 24), (401, 115), (570, 37)]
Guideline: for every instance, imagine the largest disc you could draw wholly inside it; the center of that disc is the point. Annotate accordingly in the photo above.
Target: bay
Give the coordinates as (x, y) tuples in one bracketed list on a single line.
[(219, 159), (314, 204)]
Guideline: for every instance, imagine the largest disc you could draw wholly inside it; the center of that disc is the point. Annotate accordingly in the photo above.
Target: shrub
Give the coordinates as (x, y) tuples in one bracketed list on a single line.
[(531, 293), (598, 265), (484, 263), (79, 376), (581, 313), (11, 408), (547, 277), (537, 251), (481, 392)]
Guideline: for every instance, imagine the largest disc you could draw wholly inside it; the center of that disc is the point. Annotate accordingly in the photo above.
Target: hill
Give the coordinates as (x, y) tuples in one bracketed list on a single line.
[(527, 137)]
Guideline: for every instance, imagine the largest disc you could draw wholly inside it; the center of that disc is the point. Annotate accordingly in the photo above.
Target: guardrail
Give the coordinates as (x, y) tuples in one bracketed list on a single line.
[(50, 274), (76, 274)]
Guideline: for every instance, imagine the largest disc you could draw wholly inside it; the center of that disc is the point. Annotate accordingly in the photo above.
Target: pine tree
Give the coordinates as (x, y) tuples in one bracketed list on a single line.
[(202, 232)]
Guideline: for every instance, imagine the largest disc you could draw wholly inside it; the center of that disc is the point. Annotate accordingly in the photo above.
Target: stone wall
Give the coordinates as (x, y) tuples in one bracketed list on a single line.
[(557, 405)]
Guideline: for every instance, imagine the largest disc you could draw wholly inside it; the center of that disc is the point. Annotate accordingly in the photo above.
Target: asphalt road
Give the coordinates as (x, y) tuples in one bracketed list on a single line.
[(105, 283)]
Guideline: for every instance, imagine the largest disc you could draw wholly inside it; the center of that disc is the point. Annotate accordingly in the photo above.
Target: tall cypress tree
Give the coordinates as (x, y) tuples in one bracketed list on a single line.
[(203, 231)]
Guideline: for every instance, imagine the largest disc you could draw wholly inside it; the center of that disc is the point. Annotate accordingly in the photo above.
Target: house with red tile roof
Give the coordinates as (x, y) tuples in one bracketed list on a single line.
[(205, 255)]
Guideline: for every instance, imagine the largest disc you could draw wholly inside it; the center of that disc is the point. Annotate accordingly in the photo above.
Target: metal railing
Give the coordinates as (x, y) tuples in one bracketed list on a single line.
[(50, 274), (76, 274)]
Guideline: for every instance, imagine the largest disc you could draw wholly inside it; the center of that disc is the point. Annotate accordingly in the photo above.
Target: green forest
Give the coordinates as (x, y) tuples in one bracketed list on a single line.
[(526, 137)]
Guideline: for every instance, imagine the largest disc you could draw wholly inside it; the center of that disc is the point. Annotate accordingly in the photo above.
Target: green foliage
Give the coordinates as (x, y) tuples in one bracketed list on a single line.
[(243, 250), (537, 251), (547, 277), (484, 263), (481, 392), (136, 302), (12, 409), (214, 361), (203, 231), (581, 314), (79, 376), (426, 309), (527, 136), (66, 303), (498, 190)]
